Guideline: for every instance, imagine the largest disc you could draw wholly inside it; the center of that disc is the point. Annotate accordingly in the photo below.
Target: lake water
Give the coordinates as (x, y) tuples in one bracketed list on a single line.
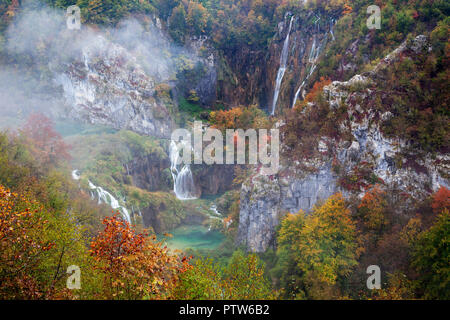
[(194, 237)]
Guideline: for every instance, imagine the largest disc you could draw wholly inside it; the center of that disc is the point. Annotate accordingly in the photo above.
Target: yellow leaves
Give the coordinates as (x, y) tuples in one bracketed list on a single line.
[(136, 262), (411, 231), (322, 242)]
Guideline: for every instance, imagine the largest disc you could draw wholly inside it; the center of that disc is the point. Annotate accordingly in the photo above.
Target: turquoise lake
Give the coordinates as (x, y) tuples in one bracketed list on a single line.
[(194, 237)]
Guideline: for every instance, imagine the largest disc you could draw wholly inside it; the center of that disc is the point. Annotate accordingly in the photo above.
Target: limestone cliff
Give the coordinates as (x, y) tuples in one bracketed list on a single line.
[(249, 75), (264, 200)]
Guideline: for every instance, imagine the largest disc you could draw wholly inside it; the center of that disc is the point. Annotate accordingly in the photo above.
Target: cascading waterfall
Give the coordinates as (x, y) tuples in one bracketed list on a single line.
[(76, 175), (183, 180), (331, 29), (213, 208), (282, 68), (106, 197), (297, 93), (312, 58)]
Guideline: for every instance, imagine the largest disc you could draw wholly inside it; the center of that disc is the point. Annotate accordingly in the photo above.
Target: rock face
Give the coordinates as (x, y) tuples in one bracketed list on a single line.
[(213, 179), (249, 76), (206, 86), (264, 200), (151, 173), (107, 86)]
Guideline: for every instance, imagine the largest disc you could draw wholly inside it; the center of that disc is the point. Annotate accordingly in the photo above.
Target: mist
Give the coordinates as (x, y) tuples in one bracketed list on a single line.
[(41, 51)]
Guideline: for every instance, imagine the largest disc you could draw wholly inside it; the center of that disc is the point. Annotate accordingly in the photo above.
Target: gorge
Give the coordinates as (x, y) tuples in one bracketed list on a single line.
[(358, 147)]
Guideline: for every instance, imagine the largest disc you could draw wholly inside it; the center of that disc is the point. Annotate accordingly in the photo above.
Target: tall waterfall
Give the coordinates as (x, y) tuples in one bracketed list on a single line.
[(183, 180), (282, 69), (312, 59)]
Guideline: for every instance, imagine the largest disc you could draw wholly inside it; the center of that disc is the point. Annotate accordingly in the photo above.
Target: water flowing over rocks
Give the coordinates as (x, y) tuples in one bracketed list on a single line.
[(282, 68), (150, 173), (183, 180)]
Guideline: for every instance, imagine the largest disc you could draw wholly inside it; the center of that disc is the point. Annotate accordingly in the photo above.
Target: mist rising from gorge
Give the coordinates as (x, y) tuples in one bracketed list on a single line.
[(39, 47)]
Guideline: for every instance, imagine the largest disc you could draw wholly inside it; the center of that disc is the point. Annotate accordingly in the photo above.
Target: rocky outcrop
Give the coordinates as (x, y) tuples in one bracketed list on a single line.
[(213, 179), (150, 172), (264, 200), (107, 86), (248, 76)]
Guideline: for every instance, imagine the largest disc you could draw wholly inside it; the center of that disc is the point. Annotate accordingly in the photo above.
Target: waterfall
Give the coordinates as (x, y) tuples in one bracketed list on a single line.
[(213, 208), (183, 180), (76, 175), (282, 69), (106, 197), (297, 93), (312, 59), (331, 29)]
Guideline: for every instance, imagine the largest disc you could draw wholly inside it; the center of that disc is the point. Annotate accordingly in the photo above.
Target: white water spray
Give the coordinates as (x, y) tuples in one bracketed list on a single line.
[(183, 180), (312, 60), (106, 197), (76, 175), (282, 69)]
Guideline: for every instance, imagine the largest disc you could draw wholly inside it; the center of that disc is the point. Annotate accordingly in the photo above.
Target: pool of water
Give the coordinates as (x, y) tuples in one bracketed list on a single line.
[(194, 237)]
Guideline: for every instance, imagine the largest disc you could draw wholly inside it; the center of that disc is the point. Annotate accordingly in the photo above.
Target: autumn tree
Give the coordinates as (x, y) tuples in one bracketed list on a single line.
[(134, 266), (21, 245), (177, 22), (239, 118), (197, 17), (372, 209), (202, 282), (242, 278), (315, 91), (319, 249), (441, 200), (45, 143)]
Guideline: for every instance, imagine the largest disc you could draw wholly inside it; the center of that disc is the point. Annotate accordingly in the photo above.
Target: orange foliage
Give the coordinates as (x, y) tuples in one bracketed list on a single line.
[(20, 246), (372, 208), (441, 200), (133, 265), (315, 91), (239, 118)]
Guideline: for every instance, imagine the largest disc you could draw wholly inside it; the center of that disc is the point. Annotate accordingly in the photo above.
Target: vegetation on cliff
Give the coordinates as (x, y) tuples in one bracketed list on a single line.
[(49, 221)]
